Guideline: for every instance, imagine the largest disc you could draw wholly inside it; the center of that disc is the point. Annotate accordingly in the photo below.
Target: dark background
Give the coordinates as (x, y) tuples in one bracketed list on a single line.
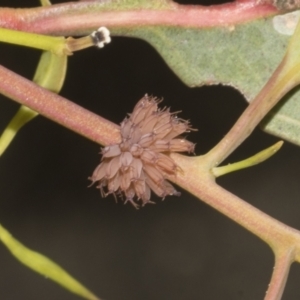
[(178, 249)]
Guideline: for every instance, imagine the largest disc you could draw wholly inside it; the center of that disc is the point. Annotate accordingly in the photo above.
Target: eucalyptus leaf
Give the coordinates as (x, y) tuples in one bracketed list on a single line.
[(44, 266), (45, 2), (51, 71), (243, 56)]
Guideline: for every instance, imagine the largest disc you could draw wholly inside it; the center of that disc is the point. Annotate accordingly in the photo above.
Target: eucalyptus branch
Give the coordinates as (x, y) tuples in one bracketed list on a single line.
[(198, 180), (269, 96), (79, 18), (57, 108), (283, 261)]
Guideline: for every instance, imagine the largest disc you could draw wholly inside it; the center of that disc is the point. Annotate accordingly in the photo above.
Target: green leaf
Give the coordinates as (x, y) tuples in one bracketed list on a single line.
[(243, 56), (284, 119), (240, 56), (205, 46), (45, 2), (44, 266), (51, 71)]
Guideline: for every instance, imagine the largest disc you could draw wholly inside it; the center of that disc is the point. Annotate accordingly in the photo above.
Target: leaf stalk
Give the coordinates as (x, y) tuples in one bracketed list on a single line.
[(249, 162), (56, 45)]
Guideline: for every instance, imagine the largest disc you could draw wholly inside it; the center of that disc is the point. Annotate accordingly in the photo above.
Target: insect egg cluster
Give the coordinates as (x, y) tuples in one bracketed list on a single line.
[(141, 162)]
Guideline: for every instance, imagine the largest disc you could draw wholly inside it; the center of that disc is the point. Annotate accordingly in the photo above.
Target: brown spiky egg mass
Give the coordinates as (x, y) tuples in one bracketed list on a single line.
[(141, 162)]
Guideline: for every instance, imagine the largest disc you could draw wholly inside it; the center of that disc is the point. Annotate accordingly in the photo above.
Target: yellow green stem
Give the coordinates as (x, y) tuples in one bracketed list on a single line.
[(56, 45), (249, 162)]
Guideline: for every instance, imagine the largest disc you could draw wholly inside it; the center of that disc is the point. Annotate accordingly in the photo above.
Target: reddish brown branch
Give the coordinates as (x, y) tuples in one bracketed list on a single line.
[(57, 108), (81, 17), (200, 182), (283, 261)]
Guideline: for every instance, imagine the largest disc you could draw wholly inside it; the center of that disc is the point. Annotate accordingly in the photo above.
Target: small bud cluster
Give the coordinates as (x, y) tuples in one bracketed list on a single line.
[(141, 162), (101, 37)]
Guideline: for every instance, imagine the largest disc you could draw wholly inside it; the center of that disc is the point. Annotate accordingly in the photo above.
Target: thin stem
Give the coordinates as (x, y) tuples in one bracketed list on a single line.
[(55, 45), (80, 43), (285, 78), (281, 82), (283, 261), (58, 108)]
